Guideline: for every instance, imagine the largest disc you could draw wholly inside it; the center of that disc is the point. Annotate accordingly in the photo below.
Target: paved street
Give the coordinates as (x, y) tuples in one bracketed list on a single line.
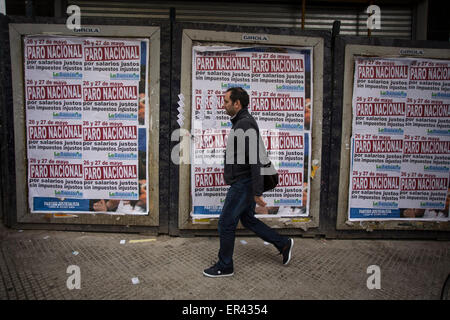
[(34, 264)]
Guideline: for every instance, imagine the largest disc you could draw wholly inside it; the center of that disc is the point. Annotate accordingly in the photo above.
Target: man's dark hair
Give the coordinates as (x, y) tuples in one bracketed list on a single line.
[(237, 93)]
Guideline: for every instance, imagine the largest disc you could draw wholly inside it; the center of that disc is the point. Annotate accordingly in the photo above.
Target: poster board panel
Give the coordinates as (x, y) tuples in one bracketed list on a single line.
[(204, 39), (34, 198), (392, 56)]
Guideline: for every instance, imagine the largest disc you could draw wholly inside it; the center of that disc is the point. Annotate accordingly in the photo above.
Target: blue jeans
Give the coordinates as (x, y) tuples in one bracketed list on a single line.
[(240, 204)]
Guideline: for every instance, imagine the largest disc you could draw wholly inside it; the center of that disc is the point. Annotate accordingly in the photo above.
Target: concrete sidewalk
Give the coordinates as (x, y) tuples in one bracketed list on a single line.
[(34, 263)]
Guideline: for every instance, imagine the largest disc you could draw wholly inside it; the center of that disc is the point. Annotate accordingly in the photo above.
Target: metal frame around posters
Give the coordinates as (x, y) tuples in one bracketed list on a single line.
[(391, 49), (24, 217), (191, 37)]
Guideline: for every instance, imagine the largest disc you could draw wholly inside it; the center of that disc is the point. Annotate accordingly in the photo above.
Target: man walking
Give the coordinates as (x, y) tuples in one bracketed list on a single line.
[(243, 173)]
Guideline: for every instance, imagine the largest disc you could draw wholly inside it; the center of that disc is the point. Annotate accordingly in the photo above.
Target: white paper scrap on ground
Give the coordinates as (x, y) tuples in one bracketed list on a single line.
[(243, 242), (122, 241), (135, 280), (75, 253)]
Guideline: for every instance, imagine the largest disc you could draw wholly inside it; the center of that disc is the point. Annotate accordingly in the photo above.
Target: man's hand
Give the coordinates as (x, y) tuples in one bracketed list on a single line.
[(260, 201)]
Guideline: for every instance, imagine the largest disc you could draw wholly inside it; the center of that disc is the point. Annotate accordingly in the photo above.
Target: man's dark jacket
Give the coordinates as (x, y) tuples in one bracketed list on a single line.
[(251, 167)]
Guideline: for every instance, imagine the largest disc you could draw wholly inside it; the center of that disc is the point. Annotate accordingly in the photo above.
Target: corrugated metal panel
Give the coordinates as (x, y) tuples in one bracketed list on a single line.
[(395, 22)]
